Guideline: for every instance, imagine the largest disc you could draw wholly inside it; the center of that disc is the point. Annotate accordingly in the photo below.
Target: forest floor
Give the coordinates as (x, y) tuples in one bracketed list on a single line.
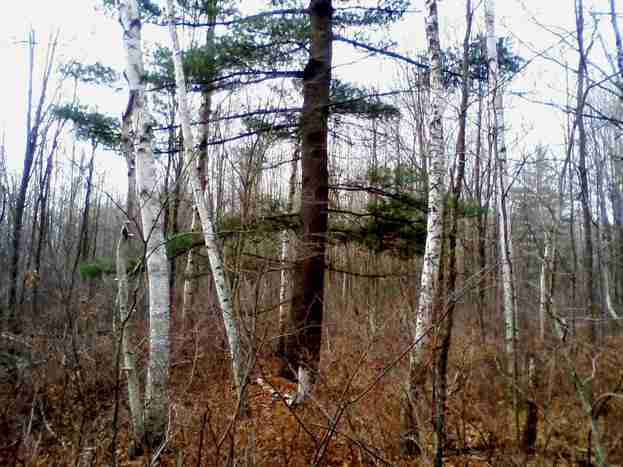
[(353, 418)]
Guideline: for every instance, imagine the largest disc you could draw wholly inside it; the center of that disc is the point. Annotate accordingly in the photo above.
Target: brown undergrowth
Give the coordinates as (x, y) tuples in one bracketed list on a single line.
[(59, 408)]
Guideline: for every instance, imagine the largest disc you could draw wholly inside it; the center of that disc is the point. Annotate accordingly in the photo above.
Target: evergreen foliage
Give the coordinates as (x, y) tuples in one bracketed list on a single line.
[(97, 268), (509, 62), (395, 224), (360, 102), (181, 243), (95, 73), (91, 125)]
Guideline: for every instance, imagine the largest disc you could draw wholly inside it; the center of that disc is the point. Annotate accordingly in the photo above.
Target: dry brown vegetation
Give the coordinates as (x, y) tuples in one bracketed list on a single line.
[(66, 402)]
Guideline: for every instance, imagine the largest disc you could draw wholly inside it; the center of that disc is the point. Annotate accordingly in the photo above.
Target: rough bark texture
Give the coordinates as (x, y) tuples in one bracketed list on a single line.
[(204, 208), (157, 382), (127, 148), (132, 222), (303, 350), (409, 438)]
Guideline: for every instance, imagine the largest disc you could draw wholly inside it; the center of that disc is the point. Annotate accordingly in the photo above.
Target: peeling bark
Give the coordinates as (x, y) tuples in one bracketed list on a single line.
[(157, 382)]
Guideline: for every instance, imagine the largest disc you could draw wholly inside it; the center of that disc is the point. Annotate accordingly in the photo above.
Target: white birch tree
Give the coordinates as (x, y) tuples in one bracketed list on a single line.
[(498, 131), (190, 281), (204, 208), (286, 247), (545, 278), (423, 320), (157, 382)]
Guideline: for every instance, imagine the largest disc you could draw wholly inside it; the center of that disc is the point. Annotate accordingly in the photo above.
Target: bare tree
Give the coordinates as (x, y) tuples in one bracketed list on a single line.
[(447, 323), (587, 221), (33, 124)]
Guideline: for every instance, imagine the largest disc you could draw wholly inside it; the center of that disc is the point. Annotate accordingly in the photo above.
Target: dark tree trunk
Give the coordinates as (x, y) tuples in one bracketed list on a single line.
[(308, 288), (44, 223), (531, 424), (447, 322), (481, 223), (589, 297), (172, 198), (84, 230)]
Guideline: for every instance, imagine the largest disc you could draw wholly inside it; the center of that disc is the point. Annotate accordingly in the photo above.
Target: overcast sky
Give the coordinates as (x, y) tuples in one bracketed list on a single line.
[(86, 34)]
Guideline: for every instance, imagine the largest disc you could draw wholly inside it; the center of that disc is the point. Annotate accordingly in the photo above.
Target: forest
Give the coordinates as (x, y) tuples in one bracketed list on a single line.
[(314, 233)]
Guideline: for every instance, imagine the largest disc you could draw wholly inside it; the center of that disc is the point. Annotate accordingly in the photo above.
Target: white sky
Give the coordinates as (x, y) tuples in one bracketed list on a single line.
[(86, 34)]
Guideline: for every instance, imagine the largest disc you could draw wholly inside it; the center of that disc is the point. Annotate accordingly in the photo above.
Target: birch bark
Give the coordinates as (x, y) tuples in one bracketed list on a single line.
[(410, 439), (127, 334), (127, 147), (499, 130), (505, 245), (190, 281), (204, 209), (545, 299), (157, 382)]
